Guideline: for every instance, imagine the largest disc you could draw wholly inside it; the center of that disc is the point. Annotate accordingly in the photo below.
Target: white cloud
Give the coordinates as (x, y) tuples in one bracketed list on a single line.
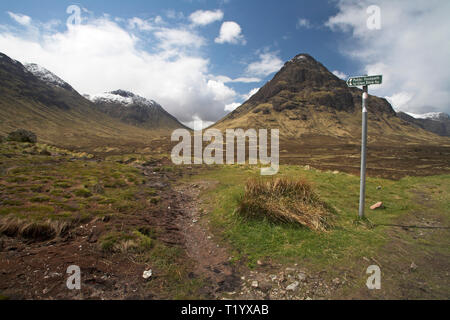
[(232, 106), (226, 79), (20, 18), (102, 55), (170, 38), (198, 124), (409, 49), (140, 24), (203, 18), (399, 101), (340, 74), (250, 94), (230, 32), (303, 23), (268, 63)]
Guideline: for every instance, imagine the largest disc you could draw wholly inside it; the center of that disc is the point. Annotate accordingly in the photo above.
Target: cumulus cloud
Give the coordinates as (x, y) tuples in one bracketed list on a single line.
[(232, 106), (205, 17), (410, 49), (340, 74), (103, 54), (20, 18), (230, 32), (268, 63)]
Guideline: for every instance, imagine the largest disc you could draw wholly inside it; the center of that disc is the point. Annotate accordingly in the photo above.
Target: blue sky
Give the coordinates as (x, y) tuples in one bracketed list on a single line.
[(202, 58)]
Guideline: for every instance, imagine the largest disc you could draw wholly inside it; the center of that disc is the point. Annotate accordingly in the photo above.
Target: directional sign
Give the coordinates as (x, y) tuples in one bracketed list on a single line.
[(364, 81)]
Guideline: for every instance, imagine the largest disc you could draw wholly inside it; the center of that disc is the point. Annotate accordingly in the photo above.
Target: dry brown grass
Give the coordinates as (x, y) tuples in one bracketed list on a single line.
[(287, 201), (14, 227)]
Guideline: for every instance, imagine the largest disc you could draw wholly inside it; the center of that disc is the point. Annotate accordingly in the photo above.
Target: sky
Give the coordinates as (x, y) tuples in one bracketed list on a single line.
[(200, 59)]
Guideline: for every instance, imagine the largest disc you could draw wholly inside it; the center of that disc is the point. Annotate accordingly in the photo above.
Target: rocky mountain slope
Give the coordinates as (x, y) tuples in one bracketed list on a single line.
[(436, 122), (308, 103), (134, 109), (33, 98)]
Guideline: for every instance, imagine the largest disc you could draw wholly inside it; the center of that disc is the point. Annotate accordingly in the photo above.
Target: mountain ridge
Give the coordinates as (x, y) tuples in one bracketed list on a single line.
[(59, 115)]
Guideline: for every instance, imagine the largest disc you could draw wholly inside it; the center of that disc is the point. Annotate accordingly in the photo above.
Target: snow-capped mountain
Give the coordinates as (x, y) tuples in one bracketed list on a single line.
[(47, 76), (134, 109), (122, 97), (430, 115), (436, 122)]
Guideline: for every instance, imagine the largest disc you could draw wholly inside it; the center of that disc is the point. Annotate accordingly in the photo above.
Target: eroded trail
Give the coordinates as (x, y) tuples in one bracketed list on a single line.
[(212, 261)]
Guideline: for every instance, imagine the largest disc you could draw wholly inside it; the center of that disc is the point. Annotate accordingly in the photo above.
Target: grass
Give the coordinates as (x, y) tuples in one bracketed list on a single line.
[(43, 197), (285, 200), (345, 243), (37, 188), (170, 266)]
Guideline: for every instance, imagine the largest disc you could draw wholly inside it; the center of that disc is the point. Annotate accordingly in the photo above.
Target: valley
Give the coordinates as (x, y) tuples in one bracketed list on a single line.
[(99, 190)]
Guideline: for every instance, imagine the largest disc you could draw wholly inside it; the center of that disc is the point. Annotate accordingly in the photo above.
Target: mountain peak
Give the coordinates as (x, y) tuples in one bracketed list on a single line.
[(134, 109), (124, 98), (47, 76)]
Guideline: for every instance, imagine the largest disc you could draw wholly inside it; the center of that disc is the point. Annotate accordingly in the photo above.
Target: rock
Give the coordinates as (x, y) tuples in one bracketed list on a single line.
[(413, 267), (307, 167), (301, 276), (255, 284), (379, 188), (377, 205), (293, 286), (22, 135), (335, 172), (147, 274), (259, 262), (336, 281), (273, 277), (265, 286)]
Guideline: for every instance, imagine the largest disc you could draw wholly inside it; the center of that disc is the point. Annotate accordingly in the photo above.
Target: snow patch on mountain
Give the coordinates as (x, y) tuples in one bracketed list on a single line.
[(122, 97), (45, 75), (430, 115)]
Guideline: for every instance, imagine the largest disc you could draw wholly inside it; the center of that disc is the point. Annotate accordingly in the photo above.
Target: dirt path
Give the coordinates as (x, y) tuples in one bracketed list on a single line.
[(212, 260)]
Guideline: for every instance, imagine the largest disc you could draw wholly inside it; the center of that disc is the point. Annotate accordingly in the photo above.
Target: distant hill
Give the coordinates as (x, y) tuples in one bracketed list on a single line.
[(133, 109), (310, 104), (35, 99), (436, 122)]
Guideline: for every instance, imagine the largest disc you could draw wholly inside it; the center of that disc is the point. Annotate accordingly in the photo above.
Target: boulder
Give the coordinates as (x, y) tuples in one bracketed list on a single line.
[(22, 135)]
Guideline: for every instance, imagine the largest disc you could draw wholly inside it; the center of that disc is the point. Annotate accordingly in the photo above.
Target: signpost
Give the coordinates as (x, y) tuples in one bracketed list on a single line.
[(363, 81)]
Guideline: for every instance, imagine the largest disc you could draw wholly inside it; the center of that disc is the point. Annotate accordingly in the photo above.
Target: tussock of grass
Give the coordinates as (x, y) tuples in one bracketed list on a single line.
[(125, 242), (286, 201), (35, 230)]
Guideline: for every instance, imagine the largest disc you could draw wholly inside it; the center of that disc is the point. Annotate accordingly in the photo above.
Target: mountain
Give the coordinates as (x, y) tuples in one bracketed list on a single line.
[(436, 122), (47, 76), (135, 110), (309, 103), (35, 99)]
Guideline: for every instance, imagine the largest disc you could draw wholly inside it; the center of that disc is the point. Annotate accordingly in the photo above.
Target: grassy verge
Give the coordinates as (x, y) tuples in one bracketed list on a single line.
[(349, 240)]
